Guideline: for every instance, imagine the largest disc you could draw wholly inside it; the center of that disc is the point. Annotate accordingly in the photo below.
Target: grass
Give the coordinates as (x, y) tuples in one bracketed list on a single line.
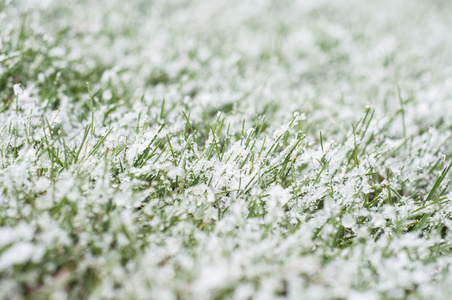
[(217, 150)]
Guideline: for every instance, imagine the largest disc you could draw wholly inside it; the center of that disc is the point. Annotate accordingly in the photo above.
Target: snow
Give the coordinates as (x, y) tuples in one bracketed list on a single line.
[(241, 160)]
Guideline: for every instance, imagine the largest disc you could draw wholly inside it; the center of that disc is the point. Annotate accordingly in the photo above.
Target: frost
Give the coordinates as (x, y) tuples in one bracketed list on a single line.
[(378, 220), (175, 172), (17, 89), (9, 235), (278, 196), (57, 52), (347, 221), (369, 295), (245, 150), (20, 253)]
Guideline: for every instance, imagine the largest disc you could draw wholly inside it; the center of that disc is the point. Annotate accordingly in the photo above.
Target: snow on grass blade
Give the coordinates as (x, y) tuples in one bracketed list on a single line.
[(225, 149)]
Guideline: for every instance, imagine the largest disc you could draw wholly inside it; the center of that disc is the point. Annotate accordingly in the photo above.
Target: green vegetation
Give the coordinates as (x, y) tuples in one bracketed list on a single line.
[(225, 150)]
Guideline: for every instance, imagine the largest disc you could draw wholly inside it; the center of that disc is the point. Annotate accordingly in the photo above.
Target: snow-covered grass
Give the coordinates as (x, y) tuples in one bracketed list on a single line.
[(225, 149)]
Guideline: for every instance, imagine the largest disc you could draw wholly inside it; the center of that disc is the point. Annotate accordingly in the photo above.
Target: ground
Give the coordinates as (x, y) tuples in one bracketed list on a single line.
[(225, 149)]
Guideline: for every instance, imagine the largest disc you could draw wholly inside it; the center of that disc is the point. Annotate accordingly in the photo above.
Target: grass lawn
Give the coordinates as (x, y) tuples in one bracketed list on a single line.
[(225, 149)]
